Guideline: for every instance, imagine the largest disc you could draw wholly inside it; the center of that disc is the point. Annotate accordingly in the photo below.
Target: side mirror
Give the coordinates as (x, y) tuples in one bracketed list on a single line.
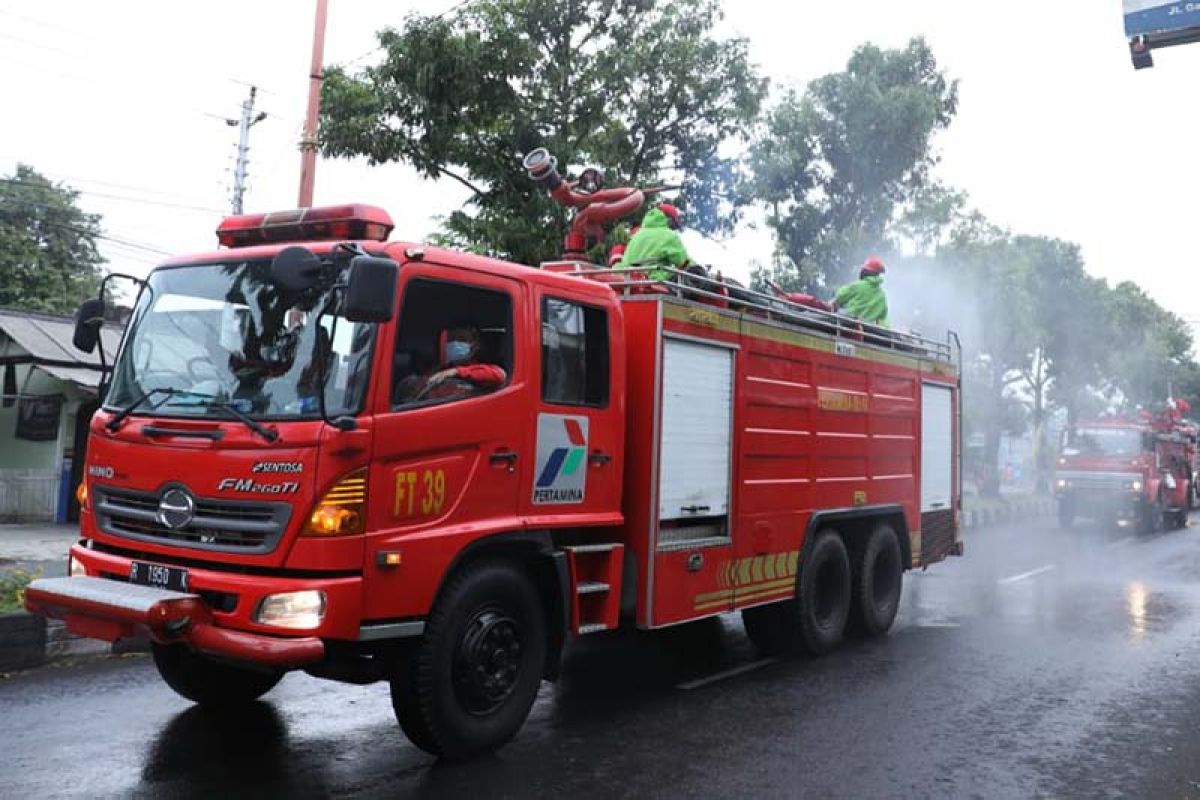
[(296, 269), (88, 320), (370, 289)]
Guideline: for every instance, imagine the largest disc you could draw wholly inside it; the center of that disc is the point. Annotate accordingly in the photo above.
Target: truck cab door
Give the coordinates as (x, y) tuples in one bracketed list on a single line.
[(448, 458), (577, 433)]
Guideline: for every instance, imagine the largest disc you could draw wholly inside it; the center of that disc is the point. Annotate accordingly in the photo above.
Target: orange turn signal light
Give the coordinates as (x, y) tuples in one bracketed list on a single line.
[(81, 495), (342, 511)]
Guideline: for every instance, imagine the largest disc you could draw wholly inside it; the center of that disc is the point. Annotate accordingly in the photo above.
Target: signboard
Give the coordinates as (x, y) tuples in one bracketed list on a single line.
[(37, 418), (1152, 17)]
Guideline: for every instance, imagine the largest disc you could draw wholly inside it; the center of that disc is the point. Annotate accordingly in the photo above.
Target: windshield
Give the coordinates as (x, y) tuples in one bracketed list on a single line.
[(1104, 441), (224, 334)]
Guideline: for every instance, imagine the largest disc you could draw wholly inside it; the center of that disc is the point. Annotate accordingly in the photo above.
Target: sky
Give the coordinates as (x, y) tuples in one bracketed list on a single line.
[(1056, 133)]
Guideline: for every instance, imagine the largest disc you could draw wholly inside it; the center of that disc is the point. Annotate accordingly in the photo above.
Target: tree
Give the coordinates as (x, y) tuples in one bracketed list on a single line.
[(838, 161), (639, 87), (1149, 347), (48, 255)]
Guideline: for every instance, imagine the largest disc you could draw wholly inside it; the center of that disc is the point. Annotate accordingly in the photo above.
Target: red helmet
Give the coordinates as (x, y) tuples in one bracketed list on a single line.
[(874, 265), (672, 213)]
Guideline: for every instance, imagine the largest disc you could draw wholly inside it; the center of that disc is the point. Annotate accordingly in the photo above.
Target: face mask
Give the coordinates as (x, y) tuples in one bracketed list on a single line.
[(457, 351)]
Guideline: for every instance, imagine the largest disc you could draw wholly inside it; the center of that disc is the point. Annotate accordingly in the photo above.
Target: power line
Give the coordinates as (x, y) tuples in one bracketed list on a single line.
[(158, 53), (441, 15), (167, 95), (89, 193), (58, 176), (149, 248)]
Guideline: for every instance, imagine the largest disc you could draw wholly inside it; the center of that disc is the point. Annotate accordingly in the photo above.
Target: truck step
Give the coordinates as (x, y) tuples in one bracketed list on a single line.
[(595, 572), (591, 548)]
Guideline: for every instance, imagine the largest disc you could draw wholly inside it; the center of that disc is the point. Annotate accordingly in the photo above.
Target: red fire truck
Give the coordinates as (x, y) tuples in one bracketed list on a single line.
[(1135, 471), (286, 475)]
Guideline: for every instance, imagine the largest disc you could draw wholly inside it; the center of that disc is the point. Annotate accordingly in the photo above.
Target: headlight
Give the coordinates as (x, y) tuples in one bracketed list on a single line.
[(1135, 486), (299, 610), (1062, 483)]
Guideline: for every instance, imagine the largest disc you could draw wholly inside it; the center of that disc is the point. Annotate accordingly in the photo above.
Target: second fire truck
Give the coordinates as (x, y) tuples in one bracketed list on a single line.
[(1134, 471)]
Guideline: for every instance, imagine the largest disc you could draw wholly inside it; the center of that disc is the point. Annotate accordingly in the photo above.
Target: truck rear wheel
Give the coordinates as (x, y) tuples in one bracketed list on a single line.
[(468, 686), (878, 580), (815, 620), (210, 683)]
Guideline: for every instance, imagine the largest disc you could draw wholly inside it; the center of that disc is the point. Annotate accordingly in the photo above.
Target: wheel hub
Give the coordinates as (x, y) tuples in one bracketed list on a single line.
[(487, 661)]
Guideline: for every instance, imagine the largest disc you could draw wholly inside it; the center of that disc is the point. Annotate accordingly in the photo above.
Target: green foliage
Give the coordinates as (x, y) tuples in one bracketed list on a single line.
[(12, 588), (1148, 348), (640, 87), (838, 160), (48, 256)]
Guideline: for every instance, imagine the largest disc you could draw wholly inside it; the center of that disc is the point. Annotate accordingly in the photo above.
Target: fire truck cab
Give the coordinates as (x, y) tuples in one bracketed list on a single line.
[(1134, 472), (295, 467)]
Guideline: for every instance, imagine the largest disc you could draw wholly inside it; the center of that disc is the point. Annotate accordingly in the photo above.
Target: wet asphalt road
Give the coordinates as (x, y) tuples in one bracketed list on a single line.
[(1044, 663)]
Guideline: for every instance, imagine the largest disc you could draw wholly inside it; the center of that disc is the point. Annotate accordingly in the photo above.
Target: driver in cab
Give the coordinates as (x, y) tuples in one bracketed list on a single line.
[(460, 373)]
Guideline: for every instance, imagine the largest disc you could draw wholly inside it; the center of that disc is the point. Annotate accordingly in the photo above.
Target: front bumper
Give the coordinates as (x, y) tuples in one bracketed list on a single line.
[(216, 616), (100, 608)]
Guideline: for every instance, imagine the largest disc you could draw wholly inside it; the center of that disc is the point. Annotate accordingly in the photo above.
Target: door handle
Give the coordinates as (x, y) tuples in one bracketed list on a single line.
[(598, 457), (694, 509), (508, 457)]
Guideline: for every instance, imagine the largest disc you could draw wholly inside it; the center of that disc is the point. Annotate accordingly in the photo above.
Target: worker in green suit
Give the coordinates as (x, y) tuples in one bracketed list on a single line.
[(657, 244), (864, 299)]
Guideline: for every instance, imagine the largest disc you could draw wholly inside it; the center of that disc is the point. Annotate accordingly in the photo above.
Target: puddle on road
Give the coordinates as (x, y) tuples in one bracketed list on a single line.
[(1134, 608), (1131, 608)]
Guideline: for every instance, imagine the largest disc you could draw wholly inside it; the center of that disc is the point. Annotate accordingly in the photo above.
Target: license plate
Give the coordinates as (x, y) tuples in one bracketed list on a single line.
[(158, 576)]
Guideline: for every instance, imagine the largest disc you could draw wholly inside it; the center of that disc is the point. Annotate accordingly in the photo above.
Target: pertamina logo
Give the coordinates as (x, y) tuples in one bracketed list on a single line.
[(561, 459)]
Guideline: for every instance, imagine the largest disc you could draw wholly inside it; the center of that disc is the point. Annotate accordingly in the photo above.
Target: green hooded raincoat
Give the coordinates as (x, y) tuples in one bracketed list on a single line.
[(655, 245), (865, 300)]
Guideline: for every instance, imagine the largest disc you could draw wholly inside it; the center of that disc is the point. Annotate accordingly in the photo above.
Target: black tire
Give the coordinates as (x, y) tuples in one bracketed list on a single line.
[(467, 687), (210, 683), (815, 620), (1155, 516), (878, 579), (1066, 514)]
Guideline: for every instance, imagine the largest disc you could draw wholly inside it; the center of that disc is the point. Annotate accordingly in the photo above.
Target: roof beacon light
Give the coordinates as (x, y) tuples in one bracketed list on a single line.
[(355, 221)]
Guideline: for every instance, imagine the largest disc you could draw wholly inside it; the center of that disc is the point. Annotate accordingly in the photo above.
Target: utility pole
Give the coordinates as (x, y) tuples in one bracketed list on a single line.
[(316, 76), (240, 170)]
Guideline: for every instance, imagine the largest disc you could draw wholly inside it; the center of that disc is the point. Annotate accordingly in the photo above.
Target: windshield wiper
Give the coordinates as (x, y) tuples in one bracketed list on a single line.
[(124, 413), (269, 434)]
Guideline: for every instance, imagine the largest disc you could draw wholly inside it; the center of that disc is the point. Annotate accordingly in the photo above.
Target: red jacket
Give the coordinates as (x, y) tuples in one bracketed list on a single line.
[(486, 375)]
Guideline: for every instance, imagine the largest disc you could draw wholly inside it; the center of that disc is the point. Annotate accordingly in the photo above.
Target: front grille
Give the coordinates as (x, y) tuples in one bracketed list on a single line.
[(232, 526), (1097, 481)]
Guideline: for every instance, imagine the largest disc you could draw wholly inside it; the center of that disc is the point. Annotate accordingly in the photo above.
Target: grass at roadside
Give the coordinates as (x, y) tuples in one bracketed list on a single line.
[(12, 588)]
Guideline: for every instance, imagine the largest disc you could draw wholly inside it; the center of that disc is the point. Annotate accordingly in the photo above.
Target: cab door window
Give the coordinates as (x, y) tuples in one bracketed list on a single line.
[(454, 341), (574, 354)]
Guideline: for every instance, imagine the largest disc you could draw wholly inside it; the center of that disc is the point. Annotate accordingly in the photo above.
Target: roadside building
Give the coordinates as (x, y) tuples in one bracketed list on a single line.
[(48, 394)]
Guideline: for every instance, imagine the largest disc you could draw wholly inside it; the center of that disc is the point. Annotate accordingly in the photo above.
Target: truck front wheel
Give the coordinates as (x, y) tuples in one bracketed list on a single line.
[(1066, 513), (468, 686), (815, 620), (1154, 520), (208, 682)]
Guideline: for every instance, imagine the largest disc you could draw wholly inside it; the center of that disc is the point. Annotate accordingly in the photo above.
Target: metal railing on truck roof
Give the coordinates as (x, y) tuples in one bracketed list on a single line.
[(725, 296)]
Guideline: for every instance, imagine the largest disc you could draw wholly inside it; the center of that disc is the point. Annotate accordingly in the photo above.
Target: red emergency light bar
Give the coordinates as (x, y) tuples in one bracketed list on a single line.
[(355, 221)]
